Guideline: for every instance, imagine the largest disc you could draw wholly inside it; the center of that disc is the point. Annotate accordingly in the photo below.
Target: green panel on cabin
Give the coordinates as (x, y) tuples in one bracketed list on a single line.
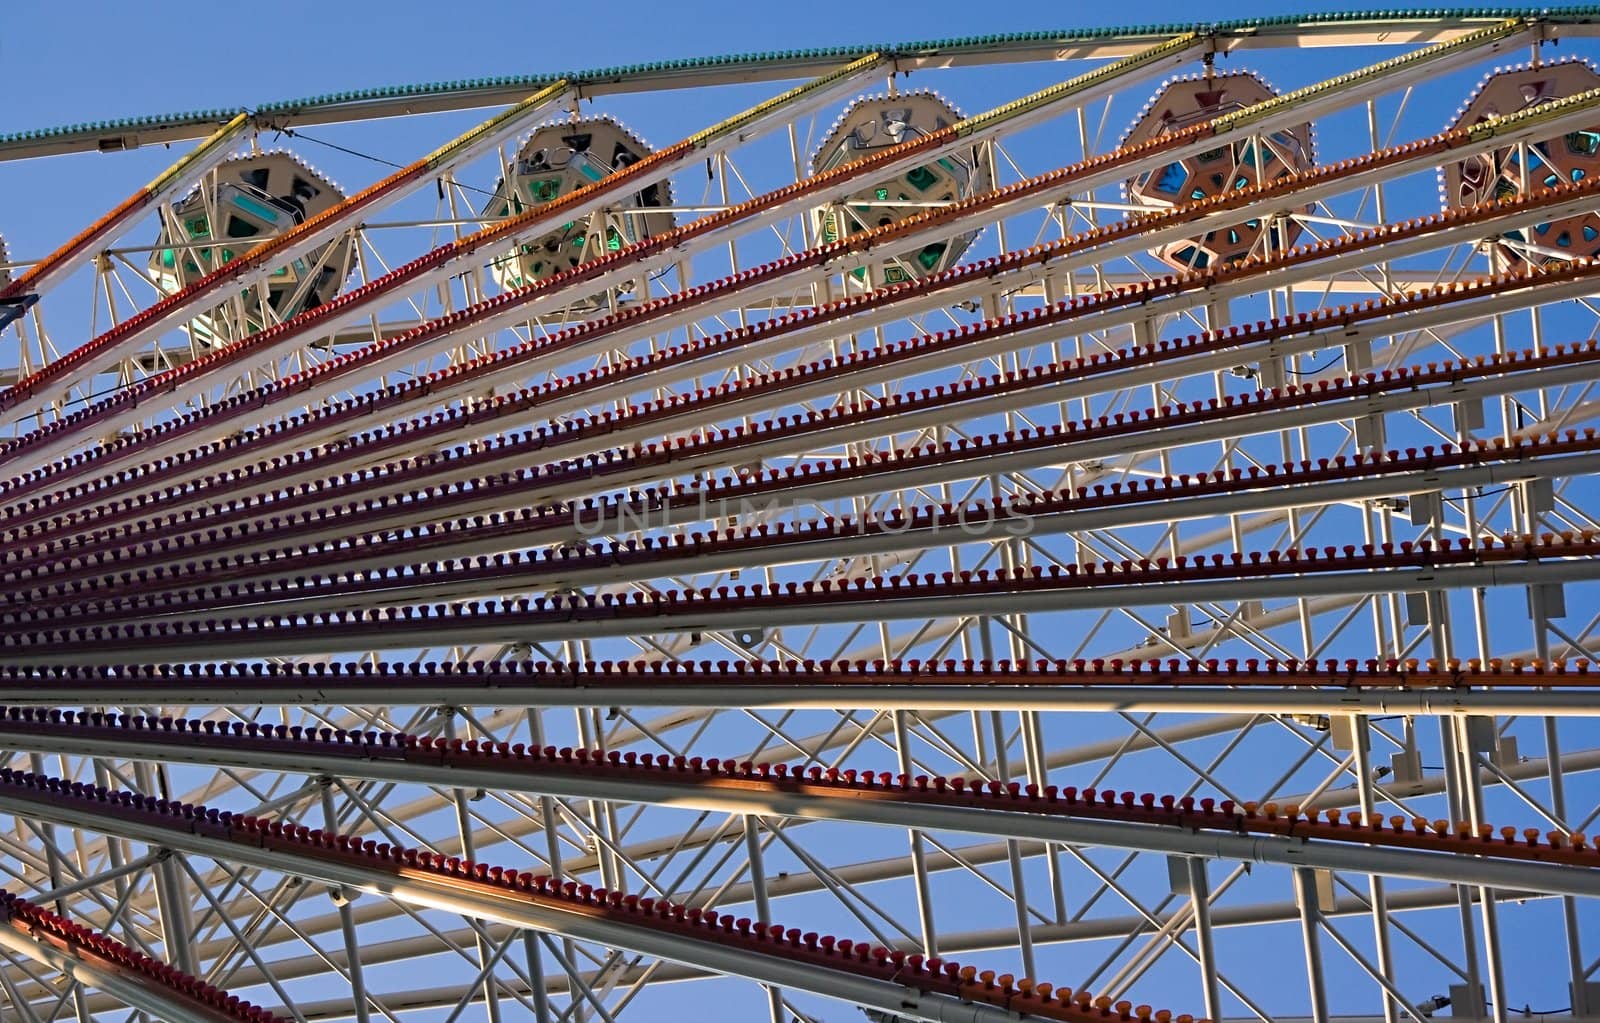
[(265, 212), (921, 178)]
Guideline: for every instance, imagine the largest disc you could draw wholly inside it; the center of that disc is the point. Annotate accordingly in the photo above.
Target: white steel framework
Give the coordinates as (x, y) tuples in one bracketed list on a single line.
[(764, 620)]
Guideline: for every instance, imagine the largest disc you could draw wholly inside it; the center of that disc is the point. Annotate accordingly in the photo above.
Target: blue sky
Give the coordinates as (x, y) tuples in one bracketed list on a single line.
[(68, 62)]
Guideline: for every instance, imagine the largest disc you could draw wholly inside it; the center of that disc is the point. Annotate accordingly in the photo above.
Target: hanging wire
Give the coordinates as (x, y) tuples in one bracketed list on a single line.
[(1314, 370), (343, 149), (294, 134), (1481, 493)]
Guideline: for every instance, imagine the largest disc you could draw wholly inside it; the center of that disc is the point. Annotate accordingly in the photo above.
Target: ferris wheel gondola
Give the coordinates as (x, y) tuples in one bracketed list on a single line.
[(874, 123), (244, 202), (1515, 170), (1070, 601), (556, 160), (1246, 163)]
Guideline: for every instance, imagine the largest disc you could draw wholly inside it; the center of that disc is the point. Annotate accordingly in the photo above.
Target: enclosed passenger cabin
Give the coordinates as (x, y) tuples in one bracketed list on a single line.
[(242, 203), (878, 122), (1245, 163), (557, 160), (1518, 169)]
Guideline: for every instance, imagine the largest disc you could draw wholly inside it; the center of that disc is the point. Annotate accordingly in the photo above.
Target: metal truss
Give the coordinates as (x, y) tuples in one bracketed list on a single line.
[(755, 619)]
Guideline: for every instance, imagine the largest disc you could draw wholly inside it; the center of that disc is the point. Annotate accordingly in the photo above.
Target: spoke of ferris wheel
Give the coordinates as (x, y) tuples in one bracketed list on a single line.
[(1319, 263), (1089, 930), (190, 168), (652, 849), (969, 856), (1311, 336), (842, 540), (762, 796), (640, 851), (979, 522), (816, 748), (757, 960), (791, 889), (535, 621), (82, 364), (90, 959), (1304, 103), (1516, 301), (1114, 545), (1055, 933), (752, 215), (1038, 691), (1209, 727), (93, 814), (1023, 111)]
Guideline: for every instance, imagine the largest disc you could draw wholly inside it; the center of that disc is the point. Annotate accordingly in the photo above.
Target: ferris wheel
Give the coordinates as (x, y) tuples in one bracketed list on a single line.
[(1074, 526)]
